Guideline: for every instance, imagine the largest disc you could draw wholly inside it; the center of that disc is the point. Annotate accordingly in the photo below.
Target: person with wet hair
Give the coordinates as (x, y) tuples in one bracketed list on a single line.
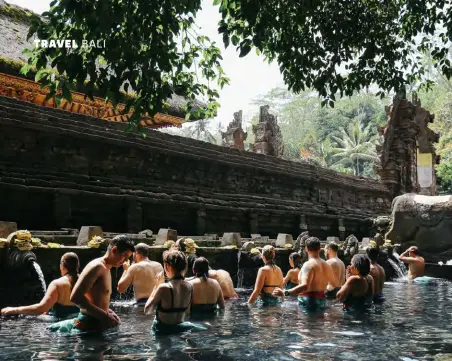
[(378, 274), (268, 278), (93, 289), (171, 300), (144, 275), (357, 292), (181, 245), (313, 279), (207, 294), (337, 266), (291, 279), (416, 264), (56, 302)]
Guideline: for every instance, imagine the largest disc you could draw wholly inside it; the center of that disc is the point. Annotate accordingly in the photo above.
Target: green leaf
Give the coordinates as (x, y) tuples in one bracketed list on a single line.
[(244, 50), (66, 92), (216, 2)]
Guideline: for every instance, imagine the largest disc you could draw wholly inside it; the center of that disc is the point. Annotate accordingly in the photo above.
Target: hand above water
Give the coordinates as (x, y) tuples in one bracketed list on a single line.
[(278, 292), (112, 319), (7, 311)]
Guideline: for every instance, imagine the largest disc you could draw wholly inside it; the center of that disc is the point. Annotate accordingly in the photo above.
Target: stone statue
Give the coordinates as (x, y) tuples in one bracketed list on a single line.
[(234, 136), (268, 135), (406, 136), (300, 242), (350, 246), (425, 221)]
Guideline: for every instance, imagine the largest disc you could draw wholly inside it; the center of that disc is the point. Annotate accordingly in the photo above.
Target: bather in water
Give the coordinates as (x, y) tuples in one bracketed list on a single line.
[(378, 274), (268, 278), (291, 279), (144, 275), (207, 295), (171, 300), (314, 277), (358, 291), (57, 300), (337, 266), (93, 289)]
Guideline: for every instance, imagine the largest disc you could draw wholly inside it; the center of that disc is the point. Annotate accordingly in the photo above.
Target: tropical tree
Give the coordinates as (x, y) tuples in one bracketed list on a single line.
[(334, 47), (355, 147)]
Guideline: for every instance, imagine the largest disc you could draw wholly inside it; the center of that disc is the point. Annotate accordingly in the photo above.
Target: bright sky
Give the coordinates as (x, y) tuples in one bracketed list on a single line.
[(249, 76)]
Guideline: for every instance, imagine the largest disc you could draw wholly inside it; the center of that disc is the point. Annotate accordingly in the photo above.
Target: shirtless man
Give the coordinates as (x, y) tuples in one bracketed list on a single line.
[(93, 288), (144, 275), (337, 266), (415, 262), (314, 277), (378, 274), (224, 279)]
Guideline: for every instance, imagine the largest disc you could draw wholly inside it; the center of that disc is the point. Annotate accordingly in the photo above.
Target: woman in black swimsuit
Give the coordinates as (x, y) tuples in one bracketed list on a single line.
[(171, 299), (358, 290), (207, 294), (268, 278), (56, 302)]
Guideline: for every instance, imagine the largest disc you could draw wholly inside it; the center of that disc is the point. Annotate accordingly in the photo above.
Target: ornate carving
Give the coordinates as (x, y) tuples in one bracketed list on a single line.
[(234, 135), (30, 91), (405, 134), (268, 135)]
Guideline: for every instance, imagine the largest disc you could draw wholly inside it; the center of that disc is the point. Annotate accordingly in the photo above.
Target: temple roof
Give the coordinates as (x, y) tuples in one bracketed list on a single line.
[(14, 25)]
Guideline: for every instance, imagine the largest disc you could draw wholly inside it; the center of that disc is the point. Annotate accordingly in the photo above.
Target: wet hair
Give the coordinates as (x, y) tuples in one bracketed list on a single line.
[(180, 245), (362, 263), (372, 253), (142, 249), (296, 258), (313, 244), (175, 259), (122, 243), (201, 268), (333, 246), (269, 253), (415, 250), (71, 262)]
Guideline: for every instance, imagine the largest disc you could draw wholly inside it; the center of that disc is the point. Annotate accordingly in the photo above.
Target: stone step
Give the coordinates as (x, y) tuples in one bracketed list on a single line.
[(49, 233), (56, 238)]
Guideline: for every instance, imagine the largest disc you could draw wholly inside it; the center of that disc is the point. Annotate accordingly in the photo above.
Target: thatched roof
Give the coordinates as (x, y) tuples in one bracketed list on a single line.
[(14, 25)]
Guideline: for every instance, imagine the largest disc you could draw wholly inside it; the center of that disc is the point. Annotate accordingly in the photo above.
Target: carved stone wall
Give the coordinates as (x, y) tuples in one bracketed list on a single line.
[(59, 169), (234, 136), (268, 135), (407, 143)]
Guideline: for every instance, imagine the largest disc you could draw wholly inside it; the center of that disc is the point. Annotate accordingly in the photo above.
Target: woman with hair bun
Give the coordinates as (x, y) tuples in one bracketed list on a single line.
[(207, 294), (171, 300), (56, 302), (268, 278), (358, 290)]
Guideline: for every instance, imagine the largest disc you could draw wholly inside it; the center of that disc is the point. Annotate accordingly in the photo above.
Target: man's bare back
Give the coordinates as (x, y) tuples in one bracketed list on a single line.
[(416, 264), (144, 276), (378, 274), (338, 268), (316, 274)]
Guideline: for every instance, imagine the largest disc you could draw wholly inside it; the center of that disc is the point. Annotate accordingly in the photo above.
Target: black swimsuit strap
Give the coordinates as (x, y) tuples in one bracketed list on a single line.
[(178, 277)]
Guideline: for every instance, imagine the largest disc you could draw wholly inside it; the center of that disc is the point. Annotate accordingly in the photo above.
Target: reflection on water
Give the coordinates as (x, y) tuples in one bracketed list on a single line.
[(414, 324)]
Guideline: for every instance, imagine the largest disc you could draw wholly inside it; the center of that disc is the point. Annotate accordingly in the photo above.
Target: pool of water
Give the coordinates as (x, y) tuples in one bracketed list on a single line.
[(414, 324)]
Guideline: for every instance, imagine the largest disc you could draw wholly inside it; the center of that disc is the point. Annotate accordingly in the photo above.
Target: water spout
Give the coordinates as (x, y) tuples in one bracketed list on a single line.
[(40, 276), (401, 272)]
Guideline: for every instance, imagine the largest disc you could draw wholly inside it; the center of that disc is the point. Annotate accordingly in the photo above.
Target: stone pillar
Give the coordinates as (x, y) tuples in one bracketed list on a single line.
[(201, 222), (254, 223), (134, 216), (303, 223), (341, 229), (62, 210)]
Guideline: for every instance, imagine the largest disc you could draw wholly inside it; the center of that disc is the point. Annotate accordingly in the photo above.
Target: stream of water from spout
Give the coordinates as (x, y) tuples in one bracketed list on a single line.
[(40, 276), (399, 267), (239, 272)]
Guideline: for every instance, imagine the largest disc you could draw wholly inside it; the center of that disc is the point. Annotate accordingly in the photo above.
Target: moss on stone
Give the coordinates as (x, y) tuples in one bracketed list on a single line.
[(19, 15)]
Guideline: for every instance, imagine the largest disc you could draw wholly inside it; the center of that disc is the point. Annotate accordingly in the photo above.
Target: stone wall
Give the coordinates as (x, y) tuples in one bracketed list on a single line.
[(59, 169)]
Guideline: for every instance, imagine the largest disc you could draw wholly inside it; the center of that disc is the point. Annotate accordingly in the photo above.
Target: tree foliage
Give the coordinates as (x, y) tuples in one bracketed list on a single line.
[(339, 47), (152, 49)]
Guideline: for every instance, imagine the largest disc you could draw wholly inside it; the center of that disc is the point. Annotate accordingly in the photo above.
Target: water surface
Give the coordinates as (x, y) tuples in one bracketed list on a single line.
[(414, 324)]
